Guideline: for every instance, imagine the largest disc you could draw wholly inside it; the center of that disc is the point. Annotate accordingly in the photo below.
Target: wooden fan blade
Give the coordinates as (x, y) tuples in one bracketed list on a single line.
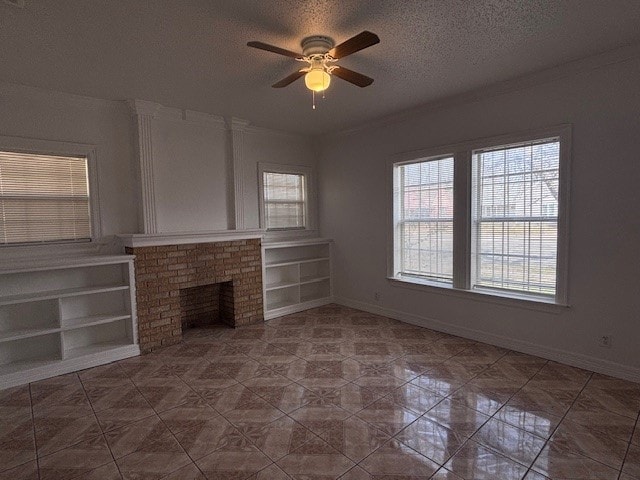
[(288, 80), (271, 48), (354, 44), (352, 77)]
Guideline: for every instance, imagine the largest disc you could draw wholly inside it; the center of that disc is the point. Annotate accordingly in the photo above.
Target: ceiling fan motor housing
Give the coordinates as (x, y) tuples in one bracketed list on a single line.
[(316, 45)]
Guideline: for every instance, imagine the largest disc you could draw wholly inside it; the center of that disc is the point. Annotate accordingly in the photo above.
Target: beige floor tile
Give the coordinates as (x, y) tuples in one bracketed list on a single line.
[(556, 461), (537, 422), (387, 416), (474, 461), (231, 464), (354, 438), (26, 471), (315, 457), (75, 461), (591, 443), (518, 445), (431, 439), (457, 417), (394, 459), (631, 465)]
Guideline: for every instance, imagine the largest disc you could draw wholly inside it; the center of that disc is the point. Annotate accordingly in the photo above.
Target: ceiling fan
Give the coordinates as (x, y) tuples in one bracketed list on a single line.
[(321, 54)]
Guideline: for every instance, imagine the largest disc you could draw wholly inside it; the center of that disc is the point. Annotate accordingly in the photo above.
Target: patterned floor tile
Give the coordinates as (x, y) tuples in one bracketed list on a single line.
[(278, 438), (232, 464), (431, 439), (76, 461), (518, 445), (457, 417), (188, 472), (26, 471), (153, 460), (590, 443), (631, 465), (414, 398), (539, 423), (17, 443), (63, 427), (395, 459), (387, 416), (315, 458), (354, 438), (473, 461), (317, 392), (556, 461), (125, 440)]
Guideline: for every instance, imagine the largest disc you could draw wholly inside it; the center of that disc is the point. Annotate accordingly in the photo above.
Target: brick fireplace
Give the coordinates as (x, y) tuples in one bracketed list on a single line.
[(193, 284)]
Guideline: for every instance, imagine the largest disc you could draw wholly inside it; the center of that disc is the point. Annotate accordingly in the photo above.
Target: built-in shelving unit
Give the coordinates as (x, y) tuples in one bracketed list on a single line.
[(296, 275), (65, 314)]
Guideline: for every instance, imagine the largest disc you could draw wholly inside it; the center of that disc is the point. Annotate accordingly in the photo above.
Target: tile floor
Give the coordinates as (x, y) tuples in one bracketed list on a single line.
[(328, 393)]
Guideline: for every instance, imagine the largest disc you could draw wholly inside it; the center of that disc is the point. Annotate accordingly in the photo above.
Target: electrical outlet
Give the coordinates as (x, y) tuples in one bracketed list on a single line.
[(377, 297), (605, 341)]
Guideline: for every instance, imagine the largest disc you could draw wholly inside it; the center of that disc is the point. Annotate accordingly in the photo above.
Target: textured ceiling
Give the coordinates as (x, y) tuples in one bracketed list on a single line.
[(193, 54)]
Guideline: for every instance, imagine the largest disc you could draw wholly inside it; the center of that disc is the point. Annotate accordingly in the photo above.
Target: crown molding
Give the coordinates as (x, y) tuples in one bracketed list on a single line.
[(59, 99), (522, 82)]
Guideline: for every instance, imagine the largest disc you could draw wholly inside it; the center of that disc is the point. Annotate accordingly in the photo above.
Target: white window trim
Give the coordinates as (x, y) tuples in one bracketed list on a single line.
[(462, 153), (310, 212), (51, 147)]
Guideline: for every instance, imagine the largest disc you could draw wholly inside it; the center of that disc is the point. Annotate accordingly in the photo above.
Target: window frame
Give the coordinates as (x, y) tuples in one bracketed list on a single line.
[(56, 148), (462, 228), (309, 192)]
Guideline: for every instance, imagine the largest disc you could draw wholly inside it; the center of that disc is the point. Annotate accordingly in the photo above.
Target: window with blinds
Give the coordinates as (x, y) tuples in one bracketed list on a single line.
[(425, 218), (43, 198), (515, 217), (284, 201)]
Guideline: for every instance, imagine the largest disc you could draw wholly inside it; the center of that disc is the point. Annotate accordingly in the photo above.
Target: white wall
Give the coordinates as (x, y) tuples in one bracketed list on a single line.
[(267, 146), (190, 175), (39, 114), (604, 107)]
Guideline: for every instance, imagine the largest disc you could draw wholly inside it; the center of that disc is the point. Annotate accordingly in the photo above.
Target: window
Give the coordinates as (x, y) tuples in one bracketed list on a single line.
[(515, 248), (424, 192), (284, 197), (489, 217), (43, 198)]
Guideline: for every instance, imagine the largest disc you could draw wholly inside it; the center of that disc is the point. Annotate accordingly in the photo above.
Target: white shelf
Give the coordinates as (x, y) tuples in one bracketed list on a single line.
[(311, 279), (297, 274), (95, 348), (53, 294), (279, 285), (61, 315), (296, 261), (82, 322), (26, 333)]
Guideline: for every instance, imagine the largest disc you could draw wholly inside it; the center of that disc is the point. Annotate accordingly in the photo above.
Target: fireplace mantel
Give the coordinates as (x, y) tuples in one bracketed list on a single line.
[(179, 238)]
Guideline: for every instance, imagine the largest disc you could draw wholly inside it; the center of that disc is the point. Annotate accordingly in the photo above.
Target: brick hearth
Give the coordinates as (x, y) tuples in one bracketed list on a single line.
[(162, 271)]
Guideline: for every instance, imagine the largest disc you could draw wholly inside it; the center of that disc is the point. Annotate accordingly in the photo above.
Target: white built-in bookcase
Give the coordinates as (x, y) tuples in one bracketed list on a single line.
[(66, 314), (296, 275)]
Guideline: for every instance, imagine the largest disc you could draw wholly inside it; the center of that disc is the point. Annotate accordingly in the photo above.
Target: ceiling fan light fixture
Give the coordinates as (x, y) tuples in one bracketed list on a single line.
[(317, 79)]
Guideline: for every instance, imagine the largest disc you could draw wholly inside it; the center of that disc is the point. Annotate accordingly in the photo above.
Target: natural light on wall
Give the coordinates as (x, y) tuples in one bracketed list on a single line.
[(43, 198), (515, 217)]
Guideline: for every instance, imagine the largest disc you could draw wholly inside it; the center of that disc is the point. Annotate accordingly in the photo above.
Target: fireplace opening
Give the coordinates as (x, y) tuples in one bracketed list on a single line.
[(204, 305)]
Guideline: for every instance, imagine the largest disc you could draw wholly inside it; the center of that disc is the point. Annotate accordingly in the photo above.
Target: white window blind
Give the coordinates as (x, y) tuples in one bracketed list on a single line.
[(43, 198), (515, 217), (425, 219), (284, 200)]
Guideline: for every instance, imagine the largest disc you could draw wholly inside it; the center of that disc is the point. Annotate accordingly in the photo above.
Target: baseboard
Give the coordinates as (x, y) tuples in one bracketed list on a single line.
[(605, 367), (60, 367)]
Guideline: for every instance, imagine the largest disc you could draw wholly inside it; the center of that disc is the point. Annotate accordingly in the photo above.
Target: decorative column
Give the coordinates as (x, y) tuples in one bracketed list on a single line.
[(144, 113), (237, 128)]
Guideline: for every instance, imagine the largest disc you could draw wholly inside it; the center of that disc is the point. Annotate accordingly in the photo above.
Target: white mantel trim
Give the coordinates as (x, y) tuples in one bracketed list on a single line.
[(237, 127), (179, 238)]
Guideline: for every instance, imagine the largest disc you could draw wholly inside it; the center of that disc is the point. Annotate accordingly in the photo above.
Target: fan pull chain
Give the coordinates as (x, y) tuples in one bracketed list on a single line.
[(313, 96)]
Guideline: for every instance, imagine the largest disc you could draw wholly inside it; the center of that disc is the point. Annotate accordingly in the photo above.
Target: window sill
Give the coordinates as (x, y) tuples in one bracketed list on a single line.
[(509, 300)]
